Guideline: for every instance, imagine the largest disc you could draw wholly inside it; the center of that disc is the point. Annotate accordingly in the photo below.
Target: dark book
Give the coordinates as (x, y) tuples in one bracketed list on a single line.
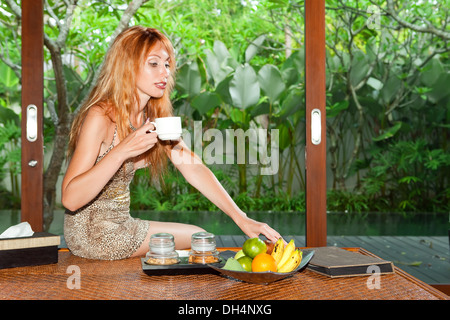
[(41, 248), (336, 262)]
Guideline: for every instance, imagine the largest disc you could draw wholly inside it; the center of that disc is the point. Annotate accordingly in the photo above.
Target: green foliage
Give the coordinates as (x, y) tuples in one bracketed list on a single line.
[(144, 197), (343, 201), (409, 176), (237, 93), (10, 158), (241, 65)]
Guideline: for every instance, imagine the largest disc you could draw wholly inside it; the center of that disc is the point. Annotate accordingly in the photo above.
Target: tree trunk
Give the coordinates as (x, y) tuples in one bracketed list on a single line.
[(52, 173), (242, 178)]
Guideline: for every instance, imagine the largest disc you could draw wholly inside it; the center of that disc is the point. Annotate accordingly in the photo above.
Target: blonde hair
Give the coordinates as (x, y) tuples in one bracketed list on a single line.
[(116, 93)]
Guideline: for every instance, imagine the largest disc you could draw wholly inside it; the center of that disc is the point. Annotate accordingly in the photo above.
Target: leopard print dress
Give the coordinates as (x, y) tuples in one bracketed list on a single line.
[(103, 229)]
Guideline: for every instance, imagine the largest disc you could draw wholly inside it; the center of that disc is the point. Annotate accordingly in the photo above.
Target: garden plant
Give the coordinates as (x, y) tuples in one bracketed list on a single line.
[(241, 66)]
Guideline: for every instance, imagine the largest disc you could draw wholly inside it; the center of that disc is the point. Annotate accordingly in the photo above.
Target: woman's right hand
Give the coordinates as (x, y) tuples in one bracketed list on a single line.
[(137, 142)]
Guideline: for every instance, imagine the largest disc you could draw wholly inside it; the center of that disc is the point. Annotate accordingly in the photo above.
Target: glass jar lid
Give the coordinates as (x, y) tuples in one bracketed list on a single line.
[(203, 242), (162, 243)]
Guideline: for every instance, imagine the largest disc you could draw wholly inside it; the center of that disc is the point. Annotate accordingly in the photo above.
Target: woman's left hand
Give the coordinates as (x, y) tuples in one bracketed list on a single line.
[(253, 229)]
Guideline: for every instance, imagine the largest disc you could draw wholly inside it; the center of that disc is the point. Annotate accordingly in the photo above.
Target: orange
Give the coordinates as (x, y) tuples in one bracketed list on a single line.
[(254, 246), (264, 262)]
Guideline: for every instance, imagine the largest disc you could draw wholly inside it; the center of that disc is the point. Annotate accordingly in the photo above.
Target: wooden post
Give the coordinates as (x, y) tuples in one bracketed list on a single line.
[(32, 207), (316, 198)]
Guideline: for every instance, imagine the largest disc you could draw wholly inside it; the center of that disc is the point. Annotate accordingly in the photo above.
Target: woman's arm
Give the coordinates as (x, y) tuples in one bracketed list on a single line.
[(84, 179), (201, 177)]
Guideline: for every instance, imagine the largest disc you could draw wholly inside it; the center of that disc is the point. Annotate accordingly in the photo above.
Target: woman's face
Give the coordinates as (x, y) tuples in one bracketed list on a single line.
[(152, 77)]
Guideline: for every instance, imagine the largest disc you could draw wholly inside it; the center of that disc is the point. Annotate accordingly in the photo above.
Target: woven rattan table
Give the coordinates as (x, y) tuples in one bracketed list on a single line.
[(124, 279)]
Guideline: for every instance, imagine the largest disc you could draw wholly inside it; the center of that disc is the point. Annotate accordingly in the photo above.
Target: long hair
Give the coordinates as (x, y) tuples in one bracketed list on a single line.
[(116, 92)]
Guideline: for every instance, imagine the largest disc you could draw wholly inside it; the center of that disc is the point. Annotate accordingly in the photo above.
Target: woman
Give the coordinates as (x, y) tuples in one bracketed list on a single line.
[(110, 139)]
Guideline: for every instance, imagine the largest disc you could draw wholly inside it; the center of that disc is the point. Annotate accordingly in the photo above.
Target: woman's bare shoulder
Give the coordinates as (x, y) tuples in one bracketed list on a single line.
[(100, 112), (96, 127), (99, 117)]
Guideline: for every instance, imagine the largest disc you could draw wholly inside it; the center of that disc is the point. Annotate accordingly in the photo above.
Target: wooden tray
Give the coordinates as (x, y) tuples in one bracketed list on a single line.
[(183, 267)]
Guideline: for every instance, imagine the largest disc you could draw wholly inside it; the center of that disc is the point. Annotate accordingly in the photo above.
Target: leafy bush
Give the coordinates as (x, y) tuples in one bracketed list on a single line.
[(409, 176), (10, 158), (182, 197)]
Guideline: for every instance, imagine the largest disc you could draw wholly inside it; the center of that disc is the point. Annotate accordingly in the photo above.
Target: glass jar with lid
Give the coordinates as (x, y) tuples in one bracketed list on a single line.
[(203, 248), (162, 250)]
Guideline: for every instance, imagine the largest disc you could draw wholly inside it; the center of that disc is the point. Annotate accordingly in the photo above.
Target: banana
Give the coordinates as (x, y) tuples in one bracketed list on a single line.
[(278, 249), (299, 260), (288, 250), (292, 262)]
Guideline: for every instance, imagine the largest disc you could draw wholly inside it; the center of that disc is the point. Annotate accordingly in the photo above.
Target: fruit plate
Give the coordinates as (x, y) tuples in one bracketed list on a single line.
[(259, 277)]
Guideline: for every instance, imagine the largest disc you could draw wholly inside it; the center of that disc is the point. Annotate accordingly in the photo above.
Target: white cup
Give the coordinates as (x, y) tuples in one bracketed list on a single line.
[(168, 128)]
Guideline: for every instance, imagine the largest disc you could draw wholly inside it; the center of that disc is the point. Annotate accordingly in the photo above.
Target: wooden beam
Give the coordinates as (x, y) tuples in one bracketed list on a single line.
[(32, 94), (443, 287), (316, 180)]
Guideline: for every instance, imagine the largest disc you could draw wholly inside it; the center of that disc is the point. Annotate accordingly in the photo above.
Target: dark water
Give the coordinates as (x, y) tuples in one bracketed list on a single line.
[(417, 224), (288, 223)]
